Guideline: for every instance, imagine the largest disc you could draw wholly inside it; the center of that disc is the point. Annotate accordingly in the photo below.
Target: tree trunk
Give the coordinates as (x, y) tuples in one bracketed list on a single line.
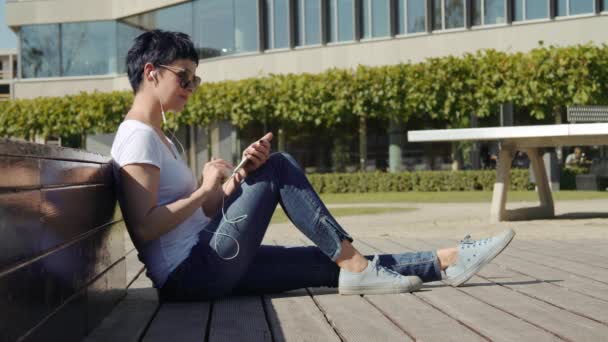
[(395, 137), (362, 143)]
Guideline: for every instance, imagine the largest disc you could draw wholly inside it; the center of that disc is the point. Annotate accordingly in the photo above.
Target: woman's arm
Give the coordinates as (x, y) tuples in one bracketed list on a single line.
[(213, 202), (148, 220), (257, 154)]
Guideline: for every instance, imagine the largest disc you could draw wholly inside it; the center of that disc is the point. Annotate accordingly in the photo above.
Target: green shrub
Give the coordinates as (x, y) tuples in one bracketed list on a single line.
[(479, 180)]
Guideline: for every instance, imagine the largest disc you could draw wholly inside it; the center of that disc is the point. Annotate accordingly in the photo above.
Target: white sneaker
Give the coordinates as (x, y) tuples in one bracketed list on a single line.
[(475, 254), (376, 279)]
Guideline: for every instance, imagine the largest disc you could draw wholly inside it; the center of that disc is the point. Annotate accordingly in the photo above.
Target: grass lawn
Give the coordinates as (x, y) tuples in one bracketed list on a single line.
[(456, 196), (431, 197), (279, 215)]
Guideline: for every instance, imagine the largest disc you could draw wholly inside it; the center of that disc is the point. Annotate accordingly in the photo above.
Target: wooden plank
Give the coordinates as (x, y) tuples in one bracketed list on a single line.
[(60, 172), (20, 226), (70, 321), (572, 267), (19, 173), (595, 248), (563, 253), (552, 276), (129, 319), (239, 319), (293, 316), (74, 210), (413, 314), (179, 322), (104, 293), (487, 320), (33, 291), (26, 149), (35, 222), (31, 173), (355, 319), (555, 276), (575, 324), (422, 320), (559, 296)]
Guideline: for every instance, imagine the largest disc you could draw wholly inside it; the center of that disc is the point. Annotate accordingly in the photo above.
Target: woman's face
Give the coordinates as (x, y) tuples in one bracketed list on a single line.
[(171, 79)]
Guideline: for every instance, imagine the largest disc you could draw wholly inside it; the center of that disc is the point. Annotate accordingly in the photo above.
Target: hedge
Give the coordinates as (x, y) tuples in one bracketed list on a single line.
[(478, 180), (544, 80)]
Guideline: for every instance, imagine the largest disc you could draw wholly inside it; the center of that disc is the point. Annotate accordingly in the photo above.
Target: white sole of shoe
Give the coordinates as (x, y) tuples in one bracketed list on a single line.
[(457, 281)]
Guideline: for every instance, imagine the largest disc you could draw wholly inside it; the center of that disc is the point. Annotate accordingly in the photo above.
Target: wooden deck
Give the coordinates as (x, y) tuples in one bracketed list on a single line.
[(537, 290)]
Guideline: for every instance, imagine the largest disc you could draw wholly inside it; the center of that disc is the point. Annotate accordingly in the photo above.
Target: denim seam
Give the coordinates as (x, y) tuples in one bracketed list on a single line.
[(437, 266)]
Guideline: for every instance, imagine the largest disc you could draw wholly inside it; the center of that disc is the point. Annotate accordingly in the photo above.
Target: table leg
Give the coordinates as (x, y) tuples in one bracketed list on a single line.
[(542, 183), (498, 211)]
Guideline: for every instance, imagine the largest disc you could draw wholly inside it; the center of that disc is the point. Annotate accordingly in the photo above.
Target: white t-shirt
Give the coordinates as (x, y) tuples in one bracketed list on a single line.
[(136, 142)]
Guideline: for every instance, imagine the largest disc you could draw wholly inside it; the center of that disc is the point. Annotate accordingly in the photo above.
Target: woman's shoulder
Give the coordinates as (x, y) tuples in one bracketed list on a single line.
[(134, 137)]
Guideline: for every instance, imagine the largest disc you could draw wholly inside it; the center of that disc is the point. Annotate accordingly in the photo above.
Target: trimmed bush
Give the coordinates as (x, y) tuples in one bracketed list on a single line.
[(479, 180)]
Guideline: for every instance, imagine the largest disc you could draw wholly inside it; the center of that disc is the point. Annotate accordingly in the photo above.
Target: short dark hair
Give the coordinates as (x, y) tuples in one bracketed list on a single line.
[(157, 47)]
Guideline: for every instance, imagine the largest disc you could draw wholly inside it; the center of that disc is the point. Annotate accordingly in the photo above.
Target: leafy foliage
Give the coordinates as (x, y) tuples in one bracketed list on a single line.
[(447, 89)]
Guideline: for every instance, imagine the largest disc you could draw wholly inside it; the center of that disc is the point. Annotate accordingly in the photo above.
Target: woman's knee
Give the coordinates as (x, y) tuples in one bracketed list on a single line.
[(283, 158)]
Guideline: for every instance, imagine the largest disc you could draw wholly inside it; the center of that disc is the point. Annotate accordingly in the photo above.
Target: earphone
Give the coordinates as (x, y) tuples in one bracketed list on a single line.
[(237, 219)]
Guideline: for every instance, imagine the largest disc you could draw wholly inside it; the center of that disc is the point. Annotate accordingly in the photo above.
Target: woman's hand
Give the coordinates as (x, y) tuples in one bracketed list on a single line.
[(214, 174), (257, 153)]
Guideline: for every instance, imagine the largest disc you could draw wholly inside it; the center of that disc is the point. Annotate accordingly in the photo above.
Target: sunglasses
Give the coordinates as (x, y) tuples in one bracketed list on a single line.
[(184, 77)]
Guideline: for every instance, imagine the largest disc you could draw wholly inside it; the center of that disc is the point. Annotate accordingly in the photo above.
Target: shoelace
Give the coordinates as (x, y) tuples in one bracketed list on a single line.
[(468, 241), (381, 269)]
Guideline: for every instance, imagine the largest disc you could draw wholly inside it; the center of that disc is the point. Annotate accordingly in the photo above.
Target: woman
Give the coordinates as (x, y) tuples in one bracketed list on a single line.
[(201, 242)]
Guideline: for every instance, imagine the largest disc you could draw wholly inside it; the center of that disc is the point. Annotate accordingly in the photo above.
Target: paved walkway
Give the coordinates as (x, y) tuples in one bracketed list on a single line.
[(550, 284)]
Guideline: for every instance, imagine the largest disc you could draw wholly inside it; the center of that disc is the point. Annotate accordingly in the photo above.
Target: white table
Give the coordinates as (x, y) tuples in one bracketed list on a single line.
[(526, 138)]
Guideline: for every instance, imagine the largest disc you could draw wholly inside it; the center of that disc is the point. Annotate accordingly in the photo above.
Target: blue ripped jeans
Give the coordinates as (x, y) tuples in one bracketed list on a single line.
[(208, 273)]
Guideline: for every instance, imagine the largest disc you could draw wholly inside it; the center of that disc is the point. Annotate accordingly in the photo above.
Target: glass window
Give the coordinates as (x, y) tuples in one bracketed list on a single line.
[(561, 8), (604, 5), (536, 9), (494, 12), (454, 13), (476, 10), (39, 50), (340, 15), (309, 22), (224, 27), (380, 18), (125, 33), (280, 22), (245, 25), (416, 14), (175, 18), (401, 4), (376, 18), (581, 6), (448, 14), (366, 19), (88, 48), (437, 15), (518, 10)]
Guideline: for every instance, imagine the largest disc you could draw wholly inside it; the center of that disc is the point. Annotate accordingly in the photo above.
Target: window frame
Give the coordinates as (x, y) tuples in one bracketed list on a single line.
[(301, 25), (370, 17), (270, 26), (567, 15), (464, 18), (334, 23), (405, 20), (525, 16), (505, 3)]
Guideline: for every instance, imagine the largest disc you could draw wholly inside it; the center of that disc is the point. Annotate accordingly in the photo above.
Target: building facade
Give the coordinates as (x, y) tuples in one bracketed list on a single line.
[(68, 46), (8, 72)]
